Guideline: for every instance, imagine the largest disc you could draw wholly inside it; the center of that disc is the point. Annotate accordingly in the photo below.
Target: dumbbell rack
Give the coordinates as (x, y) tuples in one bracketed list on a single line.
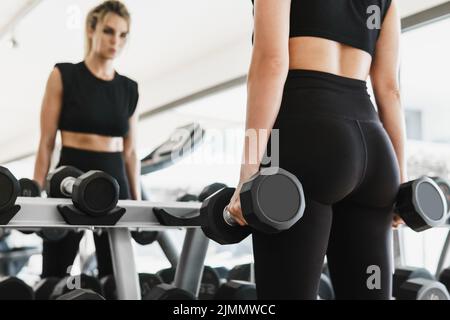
[(37, 213)]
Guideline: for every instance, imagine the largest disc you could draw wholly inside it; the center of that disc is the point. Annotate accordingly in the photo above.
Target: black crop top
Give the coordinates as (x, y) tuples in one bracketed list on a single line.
[(344, 21), (93, 105)]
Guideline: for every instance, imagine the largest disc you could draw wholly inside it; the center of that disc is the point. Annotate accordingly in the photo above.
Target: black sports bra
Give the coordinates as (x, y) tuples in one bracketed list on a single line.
[(93, 105), (356, 23)]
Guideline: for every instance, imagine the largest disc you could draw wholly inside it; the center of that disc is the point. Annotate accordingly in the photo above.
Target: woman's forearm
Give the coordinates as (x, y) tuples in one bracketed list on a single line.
[(392, 116), (42, 163), (133, 169), (265, 86)]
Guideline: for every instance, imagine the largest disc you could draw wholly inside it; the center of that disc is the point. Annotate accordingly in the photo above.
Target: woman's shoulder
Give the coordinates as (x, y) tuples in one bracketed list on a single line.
[(129, 82)]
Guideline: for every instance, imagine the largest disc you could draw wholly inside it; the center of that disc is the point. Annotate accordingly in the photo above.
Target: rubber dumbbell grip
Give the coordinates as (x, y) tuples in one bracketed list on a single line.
[(67, 186), (229, 218)]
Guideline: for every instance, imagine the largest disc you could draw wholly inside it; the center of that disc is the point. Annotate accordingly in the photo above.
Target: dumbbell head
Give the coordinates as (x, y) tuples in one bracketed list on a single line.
[(236, 290), (9, 189), (44, 288), (29, 188), (403, 274), (147, 281), (213, 223), (272, 200), (53, 234), (70, 283), (55, 178), (421, 204), (95, 193), (81, 294), (444, 185), (210, 190), (12, 288), (168, 292), (423, 289)]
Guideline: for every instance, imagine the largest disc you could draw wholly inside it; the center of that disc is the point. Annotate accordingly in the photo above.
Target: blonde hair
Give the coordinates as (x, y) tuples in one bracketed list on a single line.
[(97, 15)]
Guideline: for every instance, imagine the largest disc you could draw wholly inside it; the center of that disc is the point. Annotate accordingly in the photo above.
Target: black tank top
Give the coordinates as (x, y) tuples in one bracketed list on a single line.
[(93, 105), (356, 23)]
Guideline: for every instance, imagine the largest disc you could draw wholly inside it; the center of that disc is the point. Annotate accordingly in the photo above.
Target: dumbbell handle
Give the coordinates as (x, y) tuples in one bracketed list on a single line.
[(67, 186), (229, 218)]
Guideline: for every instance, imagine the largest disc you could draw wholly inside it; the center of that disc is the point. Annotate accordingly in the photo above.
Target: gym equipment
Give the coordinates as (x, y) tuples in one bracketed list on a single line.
[(326, 291), (140, 215), (147, 281), (421, 204), (9, 191), (222, 272), (68, 283), (272, 201), (242, 272), (236, 290), (444, 278), (411, 283), (29, 188), (44, 288), (81, 294), (94, 193), (210, 190), (148, 237), (166, 291), (12, 288), (181, 142), (444, 184), (188, 198), (210, 282), (423, 289)]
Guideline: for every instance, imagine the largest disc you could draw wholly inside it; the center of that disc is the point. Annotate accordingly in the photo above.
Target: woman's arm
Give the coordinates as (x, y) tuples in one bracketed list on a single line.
[(267, 75), (50, 111), (384, 75), (132, 163), (266, 78)]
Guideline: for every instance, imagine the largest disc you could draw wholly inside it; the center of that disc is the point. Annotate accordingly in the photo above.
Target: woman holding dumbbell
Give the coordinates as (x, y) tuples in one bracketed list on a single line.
[(307, 79), (94, 108)]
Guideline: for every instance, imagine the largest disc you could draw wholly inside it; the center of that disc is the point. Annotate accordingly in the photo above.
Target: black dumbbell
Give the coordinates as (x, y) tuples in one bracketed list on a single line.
[(209, 285), (12, 288), (147, 281), (444, 184), (29, 188), (422, 204), (411, 283), (9, 189), (81, 294), (69, 283), (444, 278), (242, 272), (94, 193), (236, 290), (271, 201), (166, 291), (43, 289)]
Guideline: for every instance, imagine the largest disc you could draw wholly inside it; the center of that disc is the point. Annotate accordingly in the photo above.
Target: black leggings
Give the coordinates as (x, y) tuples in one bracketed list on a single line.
[(58, 256), (331, 138)]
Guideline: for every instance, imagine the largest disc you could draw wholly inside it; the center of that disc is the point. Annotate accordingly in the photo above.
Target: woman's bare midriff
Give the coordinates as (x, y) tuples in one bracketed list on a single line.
[(319, 54), (91, 142)]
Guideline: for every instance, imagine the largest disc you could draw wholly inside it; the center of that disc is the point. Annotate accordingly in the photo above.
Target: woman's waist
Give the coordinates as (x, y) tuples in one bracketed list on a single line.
[(325, 94), (92, 142)]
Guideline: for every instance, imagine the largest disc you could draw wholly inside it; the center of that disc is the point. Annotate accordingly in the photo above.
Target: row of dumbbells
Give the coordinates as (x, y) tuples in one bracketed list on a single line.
[(408, 283), (217, 283)]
